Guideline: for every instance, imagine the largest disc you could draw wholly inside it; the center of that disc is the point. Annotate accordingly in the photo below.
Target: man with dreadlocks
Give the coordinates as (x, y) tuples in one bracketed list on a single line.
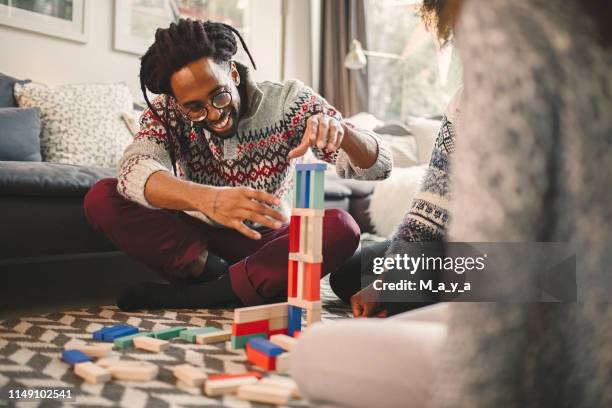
[(220, 147)]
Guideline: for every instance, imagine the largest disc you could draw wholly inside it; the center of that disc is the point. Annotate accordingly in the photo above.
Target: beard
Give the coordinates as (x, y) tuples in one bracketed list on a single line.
[(219, 128)]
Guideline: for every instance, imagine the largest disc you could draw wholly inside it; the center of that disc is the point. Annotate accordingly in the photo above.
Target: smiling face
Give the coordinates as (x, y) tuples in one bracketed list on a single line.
[(197, 84)]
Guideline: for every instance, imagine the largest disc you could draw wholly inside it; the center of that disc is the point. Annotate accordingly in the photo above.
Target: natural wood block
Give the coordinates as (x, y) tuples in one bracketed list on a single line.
[(306, 258), (92, 373), (138, 371), (314, 236), (283, 363), (307, 212), (97, 350), (277, 323), (265, 394), (151, 344), (305, 304), (215, 337), (284, 341), (215, 377), (191, 334), (263, 312), (226, 386), (300, 280), (190, 375), (282, 382), (313, 316), (303, 235), (128, 341)]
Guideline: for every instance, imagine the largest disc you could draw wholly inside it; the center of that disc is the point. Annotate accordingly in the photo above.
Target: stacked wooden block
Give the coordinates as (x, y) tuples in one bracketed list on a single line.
[(283, 321)]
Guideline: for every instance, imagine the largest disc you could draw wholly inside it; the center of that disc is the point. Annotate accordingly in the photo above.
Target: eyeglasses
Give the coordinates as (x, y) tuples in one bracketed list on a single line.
[(220, 100)]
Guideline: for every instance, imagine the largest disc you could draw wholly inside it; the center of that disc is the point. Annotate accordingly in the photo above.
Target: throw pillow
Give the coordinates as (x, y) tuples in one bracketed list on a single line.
[(19, 134), (81, 124), (426, 132), (7, 99)]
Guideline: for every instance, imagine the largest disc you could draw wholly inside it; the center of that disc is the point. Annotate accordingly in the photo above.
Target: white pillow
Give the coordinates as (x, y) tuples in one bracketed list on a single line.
[(81, 123), (425, 131), (403, 149)]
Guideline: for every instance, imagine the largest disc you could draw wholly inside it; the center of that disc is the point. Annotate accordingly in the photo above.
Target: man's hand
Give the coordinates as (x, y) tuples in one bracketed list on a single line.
[(363, 308), (322, 131), (232, 206)]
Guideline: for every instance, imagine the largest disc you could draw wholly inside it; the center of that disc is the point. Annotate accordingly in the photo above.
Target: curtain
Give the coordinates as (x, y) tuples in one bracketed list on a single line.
[(341, 22)]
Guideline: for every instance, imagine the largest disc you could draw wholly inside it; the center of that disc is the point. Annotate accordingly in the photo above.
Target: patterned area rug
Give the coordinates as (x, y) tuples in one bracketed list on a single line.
[(30, 349)]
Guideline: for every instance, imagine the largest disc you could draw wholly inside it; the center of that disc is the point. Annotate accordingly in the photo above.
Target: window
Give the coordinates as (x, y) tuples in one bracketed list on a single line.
[(423, 79)]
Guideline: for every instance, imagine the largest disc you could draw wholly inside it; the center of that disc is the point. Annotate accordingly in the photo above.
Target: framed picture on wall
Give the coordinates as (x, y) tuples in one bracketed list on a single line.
[(137, 20), (68, 19)]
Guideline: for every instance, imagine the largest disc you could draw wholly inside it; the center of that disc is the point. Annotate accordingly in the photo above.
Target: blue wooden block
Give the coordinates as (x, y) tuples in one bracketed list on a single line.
[(98, 335), (310, 166), (294, 319), (73, 357), (305, 189), (110, 336), (266, 346)]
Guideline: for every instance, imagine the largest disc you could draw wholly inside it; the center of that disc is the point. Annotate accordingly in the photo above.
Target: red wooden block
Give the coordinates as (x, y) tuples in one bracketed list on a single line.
[(294, 234), (279, 331), (260, 359), (296, 334), (258, 326), (227, 376), (292, 277), (312, 281)]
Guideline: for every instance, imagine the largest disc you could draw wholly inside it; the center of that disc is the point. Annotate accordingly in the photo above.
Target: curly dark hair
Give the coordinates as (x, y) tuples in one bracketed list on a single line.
[(440, 16), (180, 44)]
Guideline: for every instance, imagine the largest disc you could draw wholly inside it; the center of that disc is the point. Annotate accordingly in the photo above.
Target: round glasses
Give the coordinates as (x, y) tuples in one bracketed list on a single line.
[(220, 100)]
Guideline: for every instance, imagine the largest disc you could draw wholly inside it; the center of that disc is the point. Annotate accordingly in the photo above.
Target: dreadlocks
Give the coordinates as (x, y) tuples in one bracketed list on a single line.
[(176, 46)]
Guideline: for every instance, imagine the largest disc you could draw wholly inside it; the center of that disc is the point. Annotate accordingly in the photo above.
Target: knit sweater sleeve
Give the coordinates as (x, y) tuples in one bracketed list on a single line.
[(301, 103), (147, 154), (428, 216)]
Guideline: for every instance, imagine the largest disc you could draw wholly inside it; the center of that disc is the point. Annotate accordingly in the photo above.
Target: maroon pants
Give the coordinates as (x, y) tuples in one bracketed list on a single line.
[(169, 241)]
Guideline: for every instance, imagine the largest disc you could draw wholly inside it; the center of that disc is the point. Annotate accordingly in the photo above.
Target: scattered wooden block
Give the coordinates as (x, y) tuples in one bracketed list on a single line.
[(168, 334), (99, 334), (226, 376), (282, 382), (151, 344), (128, 341), (265, 394), (258, 326), (294, 320), (227, 386), (260, 359), (134, 372), (110, 336), (263, 312), (313, 316), (92, 373), (305, 304), (73, 357), (190, 334), (97, 350), (283, 341), (190, 375), (283, 363), (213, 337), (266, 346), (116, 361)]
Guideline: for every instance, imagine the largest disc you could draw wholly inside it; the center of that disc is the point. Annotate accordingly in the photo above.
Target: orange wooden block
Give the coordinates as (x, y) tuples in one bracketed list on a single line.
[(292, 278), (260, 359), (312, 281)]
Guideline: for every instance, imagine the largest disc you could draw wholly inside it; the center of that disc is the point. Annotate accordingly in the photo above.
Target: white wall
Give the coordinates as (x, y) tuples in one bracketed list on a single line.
[(56, 61)]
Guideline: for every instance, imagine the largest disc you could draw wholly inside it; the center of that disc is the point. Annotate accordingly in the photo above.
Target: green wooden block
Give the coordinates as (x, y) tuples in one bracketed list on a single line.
[(128, 341), (191, 334), (297, 187), (168, 334), (239, 342), (317, 190)]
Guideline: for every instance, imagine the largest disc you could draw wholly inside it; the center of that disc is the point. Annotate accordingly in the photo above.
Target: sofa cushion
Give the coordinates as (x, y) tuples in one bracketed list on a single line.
[(82, 123), (49, 179), (19, 134), (7, 98)]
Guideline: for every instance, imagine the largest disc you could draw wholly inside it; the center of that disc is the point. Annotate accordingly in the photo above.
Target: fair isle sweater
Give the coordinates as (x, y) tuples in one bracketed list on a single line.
[(428, 217), (256, 157)]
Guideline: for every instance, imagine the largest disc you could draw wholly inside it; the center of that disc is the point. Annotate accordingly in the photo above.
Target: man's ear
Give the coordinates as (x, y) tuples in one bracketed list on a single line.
[(234, 73)]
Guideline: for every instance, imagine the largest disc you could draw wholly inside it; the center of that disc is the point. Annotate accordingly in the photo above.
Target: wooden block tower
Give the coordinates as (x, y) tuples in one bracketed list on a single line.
[(252, 325)]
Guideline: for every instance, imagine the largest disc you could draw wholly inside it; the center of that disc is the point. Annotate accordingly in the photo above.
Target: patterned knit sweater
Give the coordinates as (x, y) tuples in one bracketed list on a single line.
[(428, 216), (274, 123)]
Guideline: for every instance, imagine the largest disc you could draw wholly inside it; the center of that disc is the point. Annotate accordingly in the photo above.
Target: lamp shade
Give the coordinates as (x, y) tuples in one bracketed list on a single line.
[(355, 58)]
